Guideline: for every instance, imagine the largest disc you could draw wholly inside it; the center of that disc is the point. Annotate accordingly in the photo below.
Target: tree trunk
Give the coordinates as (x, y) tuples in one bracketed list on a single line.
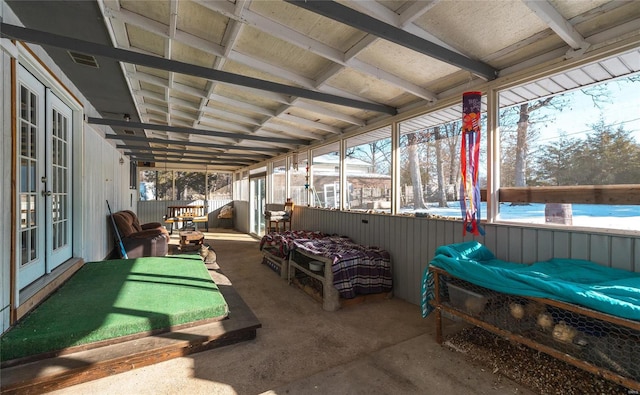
[(414, 170), (442, 195), (521, 146), (453, 143)]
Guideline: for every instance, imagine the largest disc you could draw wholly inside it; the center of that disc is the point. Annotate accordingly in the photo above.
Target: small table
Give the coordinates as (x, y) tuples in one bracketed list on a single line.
[(190, 240)]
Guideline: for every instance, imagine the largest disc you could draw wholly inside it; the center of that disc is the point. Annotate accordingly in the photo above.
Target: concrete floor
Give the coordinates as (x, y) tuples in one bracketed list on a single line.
[(382, 347)]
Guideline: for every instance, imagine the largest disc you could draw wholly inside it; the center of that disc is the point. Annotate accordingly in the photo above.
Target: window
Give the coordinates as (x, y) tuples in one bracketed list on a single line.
[(164, 185), (569, 152), (189, 185), (219, 186), (325, 189), (430, 162), (299, 179), (368, 171), (279, 182), (147, 185), (181, 185)]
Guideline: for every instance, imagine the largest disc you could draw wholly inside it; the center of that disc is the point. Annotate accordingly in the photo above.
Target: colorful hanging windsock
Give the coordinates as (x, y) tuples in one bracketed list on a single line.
[(469, 158)]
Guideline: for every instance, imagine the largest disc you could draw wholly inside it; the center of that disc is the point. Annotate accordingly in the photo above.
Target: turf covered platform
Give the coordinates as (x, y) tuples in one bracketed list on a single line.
[(114, 315)]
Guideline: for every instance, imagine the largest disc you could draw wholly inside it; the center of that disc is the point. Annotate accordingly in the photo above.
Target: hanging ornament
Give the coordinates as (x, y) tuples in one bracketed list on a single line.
[(469, 158)]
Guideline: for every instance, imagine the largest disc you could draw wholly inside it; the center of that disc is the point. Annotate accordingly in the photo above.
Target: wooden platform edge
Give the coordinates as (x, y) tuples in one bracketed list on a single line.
[(70, 369)]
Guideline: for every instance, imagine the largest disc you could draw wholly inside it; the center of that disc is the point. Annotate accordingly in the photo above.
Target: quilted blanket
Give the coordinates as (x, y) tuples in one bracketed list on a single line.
[(608, 290), (357, 269), (281, 243)]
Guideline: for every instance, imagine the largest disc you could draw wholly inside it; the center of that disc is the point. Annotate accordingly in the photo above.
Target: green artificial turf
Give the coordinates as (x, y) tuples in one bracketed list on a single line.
[(109, 299)]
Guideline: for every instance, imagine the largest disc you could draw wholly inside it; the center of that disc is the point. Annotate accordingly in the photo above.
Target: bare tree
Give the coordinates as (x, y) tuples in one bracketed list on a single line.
[(599, 94), (442, 196), (414, 170), (522, 139), (378, 153), (452, 133)]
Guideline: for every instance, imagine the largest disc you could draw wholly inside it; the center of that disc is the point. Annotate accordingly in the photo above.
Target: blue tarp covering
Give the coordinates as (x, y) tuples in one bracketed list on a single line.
[(585, 283)]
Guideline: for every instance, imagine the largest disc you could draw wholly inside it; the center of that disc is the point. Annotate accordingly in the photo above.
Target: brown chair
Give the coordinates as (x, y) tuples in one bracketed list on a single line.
[(150, 239)]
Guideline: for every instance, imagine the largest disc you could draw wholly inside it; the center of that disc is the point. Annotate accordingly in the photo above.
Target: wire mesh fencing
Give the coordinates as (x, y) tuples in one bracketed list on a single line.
[(603, 344)]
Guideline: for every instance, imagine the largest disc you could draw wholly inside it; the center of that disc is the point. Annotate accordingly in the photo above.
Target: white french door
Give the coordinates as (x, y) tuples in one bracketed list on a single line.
[(43, 179), (58, 181)]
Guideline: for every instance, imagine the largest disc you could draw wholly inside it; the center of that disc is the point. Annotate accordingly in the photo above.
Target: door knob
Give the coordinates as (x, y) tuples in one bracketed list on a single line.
[(46, 193)]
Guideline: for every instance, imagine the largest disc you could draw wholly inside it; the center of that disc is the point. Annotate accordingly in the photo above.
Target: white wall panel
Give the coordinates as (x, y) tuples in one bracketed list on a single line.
[(502, 242), (561, 245), (600, 246), (241, 215), (622, 253), (635, 265), (579, 243), (412, 242), (515, 239), (544, 244), (529, 243), (104, 179), (491, 238)]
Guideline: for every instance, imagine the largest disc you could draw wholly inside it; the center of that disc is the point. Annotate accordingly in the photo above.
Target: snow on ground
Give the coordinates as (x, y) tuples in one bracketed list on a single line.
[(620, 217)]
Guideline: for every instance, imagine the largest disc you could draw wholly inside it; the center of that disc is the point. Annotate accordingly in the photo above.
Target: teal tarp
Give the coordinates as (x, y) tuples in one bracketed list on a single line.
[(585, 283)]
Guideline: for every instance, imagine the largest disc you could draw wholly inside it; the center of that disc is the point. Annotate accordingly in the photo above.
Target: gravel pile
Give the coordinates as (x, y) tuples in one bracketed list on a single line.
[(535, 370)]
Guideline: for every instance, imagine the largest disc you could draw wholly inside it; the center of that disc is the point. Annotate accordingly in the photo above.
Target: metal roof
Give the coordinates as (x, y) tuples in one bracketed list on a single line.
[(249, 80)]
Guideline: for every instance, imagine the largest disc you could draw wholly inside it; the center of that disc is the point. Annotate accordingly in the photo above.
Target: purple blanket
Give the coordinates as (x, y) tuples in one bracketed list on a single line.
[(280, 244), (357, 269)]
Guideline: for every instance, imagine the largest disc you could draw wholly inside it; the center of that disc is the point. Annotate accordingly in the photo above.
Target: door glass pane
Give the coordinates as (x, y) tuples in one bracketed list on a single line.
[(33, 244), (33, 142), (54, 234), (23, 211), (32, 176), (33, 108), (24, 102), (33, 212), (24, 138), (24, 165), (24, 247)]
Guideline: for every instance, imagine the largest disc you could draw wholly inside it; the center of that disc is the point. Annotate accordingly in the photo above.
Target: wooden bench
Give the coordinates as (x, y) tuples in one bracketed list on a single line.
[(189, 216)]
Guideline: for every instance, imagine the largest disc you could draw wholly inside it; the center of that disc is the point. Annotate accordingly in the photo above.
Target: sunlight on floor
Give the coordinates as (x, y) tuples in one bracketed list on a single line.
[(228, 236), (219, 234)]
